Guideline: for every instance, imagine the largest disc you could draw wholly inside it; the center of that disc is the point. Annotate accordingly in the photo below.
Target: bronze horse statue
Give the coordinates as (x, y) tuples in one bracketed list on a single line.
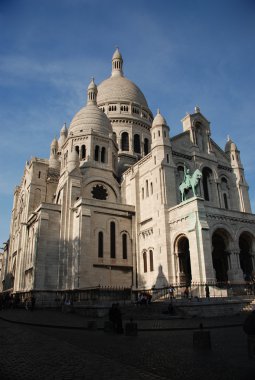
[(190, 182)]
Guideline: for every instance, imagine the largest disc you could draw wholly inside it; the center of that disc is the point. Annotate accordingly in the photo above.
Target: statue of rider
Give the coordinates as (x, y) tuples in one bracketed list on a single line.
[(187, 177)]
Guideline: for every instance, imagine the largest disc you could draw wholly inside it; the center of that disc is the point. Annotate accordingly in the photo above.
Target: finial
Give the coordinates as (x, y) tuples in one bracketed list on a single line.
[(228, 138), (197, 109), (158, 111)]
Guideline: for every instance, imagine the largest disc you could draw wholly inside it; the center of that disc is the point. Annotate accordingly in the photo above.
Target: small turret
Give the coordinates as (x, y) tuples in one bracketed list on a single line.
[(92, 93), (160, 131), (73, 161), (237, 167), (54, 161), (63, 136)]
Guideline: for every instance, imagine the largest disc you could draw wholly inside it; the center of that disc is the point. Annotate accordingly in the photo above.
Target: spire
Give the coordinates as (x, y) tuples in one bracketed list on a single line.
[(53, 161), (92, 92), (117, 63), (64, 130)]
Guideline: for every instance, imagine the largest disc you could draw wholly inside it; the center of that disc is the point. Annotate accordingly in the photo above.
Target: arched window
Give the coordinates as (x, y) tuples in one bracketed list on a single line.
[(145, 262), (137, 145), (125, 141), (167, 158), (96, 153), (103, 154), (113, 240), (224, 188), (83, 152), (151, 261), (77, 149), (207, 173), (124, 246), (147, 188), (39, 174), (100, 244), (146, 146), (151, 188), (225, 201)]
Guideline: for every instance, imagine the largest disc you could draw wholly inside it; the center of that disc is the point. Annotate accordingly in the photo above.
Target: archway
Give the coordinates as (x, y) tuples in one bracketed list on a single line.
[(184, 260), (245, 245), (220, 255)]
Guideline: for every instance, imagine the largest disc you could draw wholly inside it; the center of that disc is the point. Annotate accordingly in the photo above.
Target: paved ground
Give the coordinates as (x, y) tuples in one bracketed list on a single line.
[(37, 352)]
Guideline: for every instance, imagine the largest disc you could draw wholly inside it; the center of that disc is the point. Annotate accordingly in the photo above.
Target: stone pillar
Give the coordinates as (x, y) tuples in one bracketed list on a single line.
[(235, 273)]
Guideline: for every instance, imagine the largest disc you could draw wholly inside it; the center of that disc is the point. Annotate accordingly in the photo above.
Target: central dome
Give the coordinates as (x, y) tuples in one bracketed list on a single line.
[(119, 89)]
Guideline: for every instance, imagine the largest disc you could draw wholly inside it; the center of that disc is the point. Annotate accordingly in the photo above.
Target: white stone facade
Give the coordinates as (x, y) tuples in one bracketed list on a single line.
[(105, 208)]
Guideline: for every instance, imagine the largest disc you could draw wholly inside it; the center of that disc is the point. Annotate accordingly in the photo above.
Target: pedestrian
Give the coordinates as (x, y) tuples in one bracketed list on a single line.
[(171, 292), (207, 291)]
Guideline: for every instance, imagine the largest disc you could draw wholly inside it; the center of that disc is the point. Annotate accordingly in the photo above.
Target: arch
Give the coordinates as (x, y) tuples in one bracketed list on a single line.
[(245, 255), (183, 253), (98, 180), (220, 254), (200, 136), (100, 244), (206, 176), (77, 148), (113, 240), (145, 262), (124, 246), (83, 152), (103, 154), (225, 192), (151, 260), (137, 144), (146, 146), (125, 141), (96, 153)]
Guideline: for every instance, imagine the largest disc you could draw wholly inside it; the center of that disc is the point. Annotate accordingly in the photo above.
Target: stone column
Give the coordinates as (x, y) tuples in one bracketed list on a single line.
[(235, 273)]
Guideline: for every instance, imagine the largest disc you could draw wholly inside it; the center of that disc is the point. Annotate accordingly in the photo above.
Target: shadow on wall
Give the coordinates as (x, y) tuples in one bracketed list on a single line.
[(161, 280)]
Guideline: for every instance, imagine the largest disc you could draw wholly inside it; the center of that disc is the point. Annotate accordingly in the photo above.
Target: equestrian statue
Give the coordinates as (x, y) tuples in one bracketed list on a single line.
[(189, 181)]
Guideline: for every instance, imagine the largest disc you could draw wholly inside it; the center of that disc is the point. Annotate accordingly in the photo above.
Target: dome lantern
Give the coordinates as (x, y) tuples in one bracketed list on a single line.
[(117, 63), (92, 92)]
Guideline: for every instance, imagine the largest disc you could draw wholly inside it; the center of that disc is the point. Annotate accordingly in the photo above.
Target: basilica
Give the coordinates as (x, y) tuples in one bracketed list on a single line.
[(122, 202)]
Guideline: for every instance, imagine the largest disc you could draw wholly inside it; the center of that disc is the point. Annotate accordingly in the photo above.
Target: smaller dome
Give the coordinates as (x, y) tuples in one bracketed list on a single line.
[(91, 118), (54, 143), (159, 120)]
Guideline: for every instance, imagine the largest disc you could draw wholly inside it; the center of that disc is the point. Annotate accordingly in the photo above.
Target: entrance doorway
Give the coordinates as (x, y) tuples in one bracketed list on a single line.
[(220, 256), (245, 245), (184, 261)]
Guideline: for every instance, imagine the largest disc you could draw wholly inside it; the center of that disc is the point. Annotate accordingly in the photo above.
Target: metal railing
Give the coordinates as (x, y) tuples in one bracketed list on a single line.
[(107, 295)]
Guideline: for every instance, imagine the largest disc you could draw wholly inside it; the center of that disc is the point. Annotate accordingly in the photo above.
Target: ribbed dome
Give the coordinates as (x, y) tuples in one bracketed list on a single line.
[(159, 120), (120, 89), (90, 118)]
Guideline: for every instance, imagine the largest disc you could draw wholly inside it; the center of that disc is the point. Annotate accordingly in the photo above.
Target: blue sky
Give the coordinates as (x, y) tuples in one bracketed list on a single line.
[(181, 53)]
